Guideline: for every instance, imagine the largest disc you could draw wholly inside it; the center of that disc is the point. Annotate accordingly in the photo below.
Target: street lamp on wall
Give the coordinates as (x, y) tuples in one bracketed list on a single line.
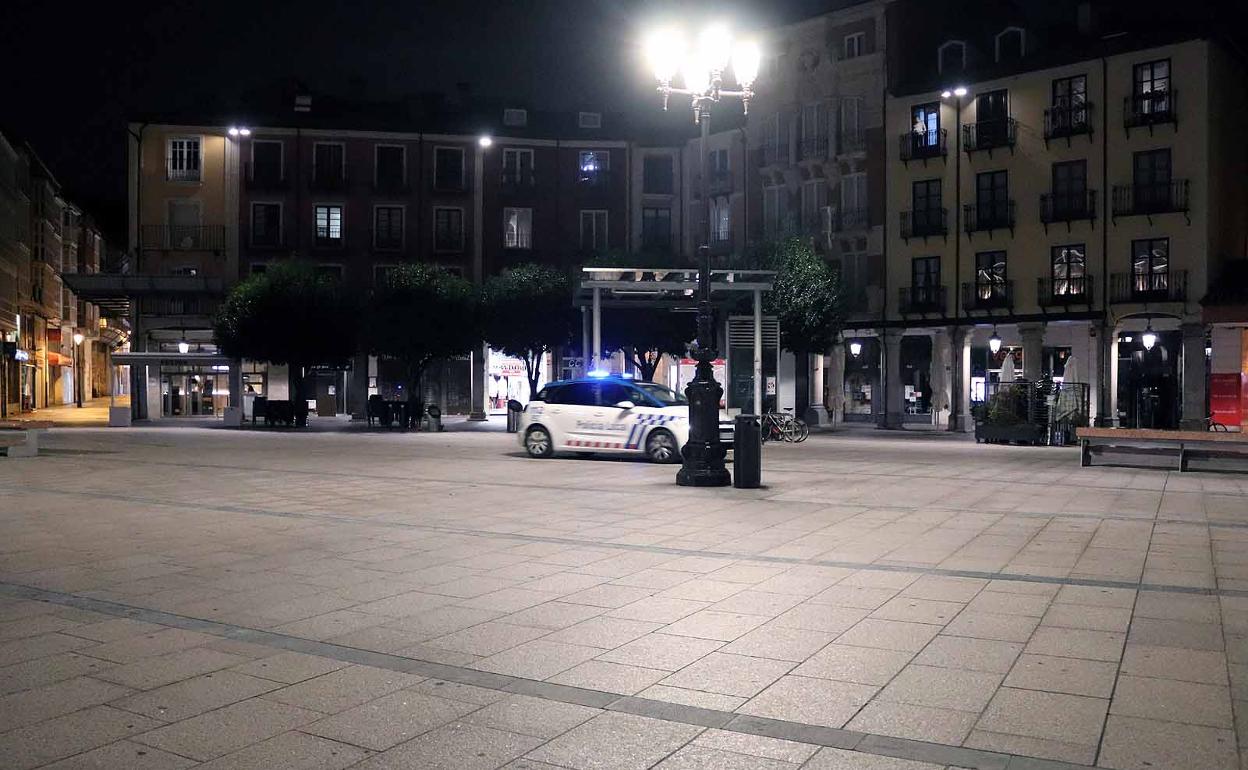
[(703, 71), (855, 348), (184, 347), (994, 342), (1149, 337)]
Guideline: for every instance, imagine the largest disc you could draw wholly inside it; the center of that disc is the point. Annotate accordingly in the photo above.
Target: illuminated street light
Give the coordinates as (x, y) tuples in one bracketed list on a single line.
[(237, 131), (994, 342), (184, 347), (485, 141), (855, 348), (1149, 337)]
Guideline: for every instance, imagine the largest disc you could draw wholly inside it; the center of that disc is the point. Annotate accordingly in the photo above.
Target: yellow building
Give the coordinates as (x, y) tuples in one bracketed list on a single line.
[(1075, 210)]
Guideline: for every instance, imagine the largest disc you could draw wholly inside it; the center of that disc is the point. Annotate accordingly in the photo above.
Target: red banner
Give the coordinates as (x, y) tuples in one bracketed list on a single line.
[(1226, 394)]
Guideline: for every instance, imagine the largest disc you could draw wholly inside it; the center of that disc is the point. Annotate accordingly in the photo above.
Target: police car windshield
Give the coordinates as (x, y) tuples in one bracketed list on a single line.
[(665, 396)]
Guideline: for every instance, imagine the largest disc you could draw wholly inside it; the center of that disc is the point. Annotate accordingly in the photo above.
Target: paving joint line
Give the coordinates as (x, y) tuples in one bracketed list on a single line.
[(637, 548), (818, 735)]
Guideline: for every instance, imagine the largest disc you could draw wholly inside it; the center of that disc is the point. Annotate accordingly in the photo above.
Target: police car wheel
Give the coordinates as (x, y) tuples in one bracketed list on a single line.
[(661, 447), (537, 442)]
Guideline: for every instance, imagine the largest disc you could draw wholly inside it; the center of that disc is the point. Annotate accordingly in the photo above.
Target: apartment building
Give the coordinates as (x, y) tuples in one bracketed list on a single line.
[(1072, 196)]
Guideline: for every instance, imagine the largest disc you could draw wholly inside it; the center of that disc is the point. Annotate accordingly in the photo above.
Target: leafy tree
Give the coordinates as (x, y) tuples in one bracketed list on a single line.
[(648, 335), (289, 314), (806, 298), (419, 314), (527, 311)]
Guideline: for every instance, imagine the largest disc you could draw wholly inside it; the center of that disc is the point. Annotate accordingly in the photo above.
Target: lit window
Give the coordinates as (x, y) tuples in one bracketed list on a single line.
[(183, 163), (328, 225), (517, 228)]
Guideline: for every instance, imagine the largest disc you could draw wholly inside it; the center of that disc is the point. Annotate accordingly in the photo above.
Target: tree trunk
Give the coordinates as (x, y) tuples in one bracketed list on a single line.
[(298, 397), (532, 372), (645, 367), (415, 395)]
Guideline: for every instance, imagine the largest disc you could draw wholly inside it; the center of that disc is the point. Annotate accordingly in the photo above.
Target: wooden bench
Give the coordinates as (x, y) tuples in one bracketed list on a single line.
[(20, 438), (1186, 443)]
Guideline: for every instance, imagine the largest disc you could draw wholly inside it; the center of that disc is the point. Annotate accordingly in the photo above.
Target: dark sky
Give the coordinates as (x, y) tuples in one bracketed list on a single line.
[(76, 71)]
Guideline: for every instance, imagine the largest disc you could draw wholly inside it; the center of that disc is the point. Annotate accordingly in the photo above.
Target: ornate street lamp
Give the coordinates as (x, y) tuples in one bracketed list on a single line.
[(855, 348), (1149, 337), (994, 342), (703, 73)]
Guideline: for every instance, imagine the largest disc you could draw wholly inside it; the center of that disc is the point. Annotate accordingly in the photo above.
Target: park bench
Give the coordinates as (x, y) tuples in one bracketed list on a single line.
[(20, 438), (1183, 443)]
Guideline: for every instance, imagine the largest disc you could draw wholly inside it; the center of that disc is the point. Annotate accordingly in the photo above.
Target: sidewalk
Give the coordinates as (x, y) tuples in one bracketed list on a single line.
[(92, 414)]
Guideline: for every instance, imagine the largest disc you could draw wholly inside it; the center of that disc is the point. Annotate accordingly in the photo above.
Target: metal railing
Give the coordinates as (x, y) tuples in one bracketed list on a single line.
[(988, 295), (1167, 286), (851, 141), (921, 299), (1056, 292), (720, 180), (921, 223), (513, 179), (391, 185), (930, 144), (268, 240), (1151, 198), (265, 176), (814, 147), (1063, 120), (594, 179), (182, 237), (985, 217), (1067, 207), (1149, 109), (181, 174), (989, 134), (851, 219), (328, 181), (776, 154), (178, 305)]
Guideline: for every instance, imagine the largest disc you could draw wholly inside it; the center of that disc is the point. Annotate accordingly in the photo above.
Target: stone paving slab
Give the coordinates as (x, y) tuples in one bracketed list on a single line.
[(441, 602)]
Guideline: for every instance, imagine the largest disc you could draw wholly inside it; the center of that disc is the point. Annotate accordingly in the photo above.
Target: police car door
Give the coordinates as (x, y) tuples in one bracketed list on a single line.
[(573, 413), (629, 425)]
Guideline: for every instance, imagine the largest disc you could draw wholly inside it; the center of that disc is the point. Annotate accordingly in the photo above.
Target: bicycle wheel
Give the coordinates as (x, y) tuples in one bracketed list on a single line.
[(803, 430), (788, 431)]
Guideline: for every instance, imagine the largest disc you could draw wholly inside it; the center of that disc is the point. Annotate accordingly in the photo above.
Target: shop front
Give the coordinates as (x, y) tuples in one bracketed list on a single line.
[(182, 385)]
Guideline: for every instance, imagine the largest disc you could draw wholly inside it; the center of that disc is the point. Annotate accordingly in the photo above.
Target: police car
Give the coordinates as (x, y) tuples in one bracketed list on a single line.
[(608, 415)]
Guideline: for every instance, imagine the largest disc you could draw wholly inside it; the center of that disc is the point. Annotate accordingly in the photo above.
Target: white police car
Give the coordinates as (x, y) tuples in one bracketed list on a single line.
[(608, 415)]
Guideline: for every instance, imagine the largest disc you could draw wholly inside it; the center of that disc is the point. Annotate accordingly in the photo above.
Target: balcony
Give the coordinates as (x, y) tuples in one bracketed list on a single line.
[(849, 220), (988, 295), (776, 154), (986, 217), (988, 135), (1168, 286), (328, 181), (200, 305), (916, 300), (814, 147), (1067, 207), (1063, 292), (594, 180), (1150, 109), (391, 185), (912, 146), (1063, 121), (265, 176), (923, 223), (183, 238), (181, 174), (852, 142), (721, 243), (1152, 198), (268, 241), (514, 181), (720, 181)]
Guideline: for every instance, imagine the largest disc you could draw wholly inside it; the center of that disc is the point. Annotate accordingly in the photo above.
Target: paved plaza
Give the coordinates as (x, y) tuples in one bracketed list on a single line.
[(179, 597)]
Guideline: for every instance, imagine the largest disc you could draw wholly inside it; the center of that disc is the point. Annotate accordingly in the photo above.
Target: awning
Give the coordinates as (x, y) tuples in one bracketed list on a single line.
[(159, 357), (56, 359)]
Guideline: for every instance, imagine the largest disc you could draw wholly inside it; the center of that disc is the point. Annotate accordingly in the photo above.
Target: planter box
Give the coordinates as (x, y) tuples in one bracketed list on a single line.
[(1022, 433)]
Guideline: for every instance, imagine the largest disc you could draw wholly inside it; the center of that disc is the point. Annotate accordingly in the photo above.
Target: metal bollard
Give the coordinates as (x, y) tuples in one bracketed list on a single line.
[(747, 452), (514, 408)]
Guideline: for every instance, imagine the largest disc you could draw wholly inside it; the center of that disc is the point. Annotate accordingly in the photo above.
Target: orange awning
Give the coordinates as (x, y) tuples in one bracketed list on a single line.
[(56, 359)]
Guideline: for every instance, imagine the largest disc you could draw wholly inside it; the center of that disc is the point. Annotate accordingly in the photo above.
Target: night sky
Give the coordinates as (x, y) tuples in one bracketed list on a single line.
[(77, 71)]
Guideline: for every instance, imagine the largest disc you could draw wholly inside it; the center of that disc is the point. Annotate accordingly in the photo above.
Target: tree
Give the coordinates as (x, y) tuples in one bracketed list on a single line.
[(289, 314), (419, 314), (648, 335), (806, 298), (527, 311)]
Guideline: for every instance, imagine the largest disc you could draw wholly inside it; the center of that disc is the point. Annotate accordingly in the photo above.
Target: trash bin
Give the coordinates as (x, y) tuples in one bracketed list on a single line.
[(434, 419), (514, 408), (747, 452)]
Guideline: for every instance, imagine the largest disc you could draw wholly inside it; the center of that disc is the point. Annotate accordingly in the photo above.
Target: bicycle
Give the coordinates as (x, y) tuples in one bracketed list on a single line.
[(782, 426)]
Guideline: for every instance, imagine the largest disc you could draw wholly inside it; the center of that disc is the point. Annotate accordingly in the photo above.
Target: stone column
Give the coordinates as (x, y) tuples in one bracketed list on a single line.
[(893, 393), (358, 406), (941, 375), (816, 412), (1033, 350), (960, 379), (1195, 381), (835, 375), (479, 363)]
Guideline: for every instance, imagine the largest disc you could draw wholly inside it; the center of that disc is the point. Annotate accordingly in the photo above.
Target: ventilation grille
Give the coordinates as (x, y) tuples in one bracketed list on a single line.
[(741, 332)]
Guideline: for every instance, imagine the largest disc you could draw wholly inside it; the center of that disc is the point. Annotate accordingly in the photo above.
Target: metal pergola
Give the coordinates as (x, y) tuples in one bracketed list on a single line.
[(674, 290)]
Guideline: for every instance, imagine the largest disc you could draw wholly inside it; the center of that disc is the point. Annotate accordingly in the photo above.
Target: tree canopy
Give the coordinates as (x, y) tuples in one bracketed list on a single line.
[(418, 314), (649, 334), (526, 312), (289, 314), (806, 298)]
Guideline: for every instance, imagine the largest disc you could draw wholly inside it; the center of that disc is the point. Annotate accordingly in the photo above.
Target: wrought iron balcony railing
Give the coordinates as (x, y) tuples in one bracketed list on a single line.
[(921, 223), (986, 217), (930, 144), (182, 238), (1059, 292), (814, 147), (1067, 120), (1149, 109), (989, 134), (328, 181), (1067, 207), (988, 295), (265, 176), (1151, 198), (922, 299), (776, 154), (1164, 286)]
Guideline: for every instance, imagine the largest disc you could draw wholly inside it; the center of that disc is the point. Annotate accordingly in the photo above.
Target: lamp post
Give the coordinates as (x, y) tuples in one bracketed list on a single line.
[(703, 72), (956, 406), (78, 338)]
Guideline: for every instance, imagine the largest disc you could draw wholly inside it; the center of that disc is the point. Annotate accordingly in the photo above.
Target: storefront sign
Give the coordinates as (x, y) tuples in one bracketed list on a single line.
[(1226, 397)]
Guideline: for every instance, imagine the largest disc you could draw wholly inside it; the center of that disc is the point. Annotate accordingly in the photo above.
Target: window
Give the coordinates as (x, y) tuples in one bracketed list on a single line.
[(183, 163), (855, 45), (927, 217), (656, 229), (448, 229), (951, 56), (594, 230), (328, 225), (718, 161), (1070, 187), (390, 172), (1070, 105), (1152, 78), (266, 224), (992, 113), (1150, 265), (388, 228), (813, 198), (448, 168), (184, 220), (517, 166), (721, 220), (267, 164), (517, 228), (925, 280), (1151, 182), (1069, 265), (926, 121), (656, 176), (992, 197), (515, 117), (593, 166), (589, 119), (576, 394), (990, 276), (775, 209), (1010, 44), (854, 200), (814, 130), (851, 124), (329, 164)]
